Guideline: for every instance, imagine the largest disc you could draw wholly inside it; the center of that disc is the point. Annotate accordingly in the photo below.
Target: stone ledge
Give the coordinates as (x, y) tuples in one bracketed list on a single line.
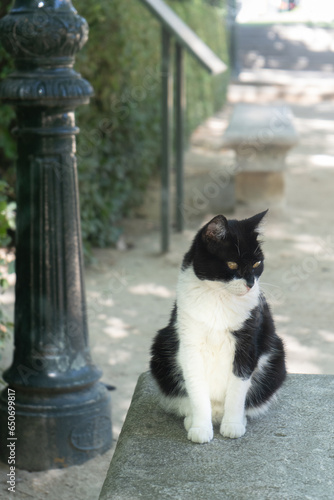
[(288, 454)]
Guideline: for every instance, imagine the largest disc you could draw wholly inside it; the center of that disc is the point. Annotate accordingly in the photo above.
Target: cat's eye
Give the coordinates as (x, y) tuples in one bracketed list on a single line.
[(232, 265), (257, 264)]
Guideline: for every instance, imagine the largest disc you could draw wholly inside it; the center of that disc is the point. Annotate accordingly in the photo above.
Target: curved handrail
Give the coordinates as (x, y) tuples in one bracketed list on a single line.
[(186, 36)]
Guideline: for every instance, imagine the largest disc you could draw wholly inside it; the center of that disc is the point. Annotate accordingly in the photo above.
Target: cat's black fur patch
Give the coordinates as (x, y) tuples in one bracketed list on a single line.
[(256, 338), (163, 361)]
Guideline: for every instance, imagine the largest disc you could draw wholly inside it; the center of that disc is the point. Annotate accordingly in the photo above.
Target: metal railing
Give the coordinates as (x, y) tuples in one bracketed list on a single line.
[(173, 27)]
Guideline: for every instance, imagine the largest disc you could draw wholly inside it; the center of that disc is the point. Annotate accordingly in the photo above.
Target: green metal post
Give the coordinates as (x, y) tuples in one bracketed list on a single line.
[(231, 24), (167, 103), (179, 135), (62, 411)]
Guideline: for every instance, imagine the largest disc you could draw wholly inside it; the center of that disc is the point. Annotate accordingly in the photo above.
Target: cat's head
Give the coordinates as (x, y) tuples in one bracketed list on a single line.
[(228, 251)]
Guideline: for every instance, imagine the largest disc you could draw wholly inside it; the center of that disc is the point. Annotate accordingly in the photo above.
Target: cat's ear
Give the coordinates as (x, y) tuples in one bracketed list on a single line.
[(256, 222), (216, 229)]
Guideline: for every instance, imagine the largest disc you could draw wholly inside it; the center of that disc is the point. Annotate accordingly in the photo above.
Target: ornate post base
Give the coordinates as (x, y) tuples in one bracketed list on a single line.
[(62, 412), (56, 430)]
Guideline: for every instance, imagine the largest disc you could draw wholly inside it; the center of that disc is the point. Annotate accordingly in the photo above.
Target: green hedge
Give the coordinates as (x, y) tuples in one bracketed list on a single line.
[(119, 144), (205, 93), (7, 114)]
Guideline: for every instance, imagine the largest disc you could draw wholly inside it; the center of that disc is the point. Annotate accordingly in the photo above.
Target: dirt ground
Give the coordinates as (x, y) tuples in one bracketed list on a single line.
[(130, 292)]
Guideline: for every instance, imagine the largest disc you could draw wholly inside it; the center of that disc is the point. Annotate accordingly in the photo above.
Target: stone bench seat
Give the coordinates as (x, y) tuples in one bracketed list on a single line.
[(261, 136), (287, 454)]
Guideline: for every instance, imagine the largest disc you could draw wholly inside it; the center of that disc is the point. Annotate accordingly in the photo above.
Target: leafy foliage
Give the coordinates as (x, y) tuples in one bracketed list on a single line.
[(7, 203), (7, 221), (119, 143), (205, 93), (7, 114)]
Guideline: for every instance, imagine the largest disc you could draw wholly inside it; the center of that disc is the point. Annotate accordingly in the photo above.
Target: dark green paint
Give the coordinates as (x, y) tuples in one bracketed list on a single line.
[(62, 411)]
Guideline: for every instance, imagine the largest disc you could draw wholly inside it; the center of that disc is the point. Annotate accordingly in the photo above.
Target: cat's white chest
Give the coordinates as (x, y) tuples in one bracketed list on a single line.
[(207, 315), (218, 359)]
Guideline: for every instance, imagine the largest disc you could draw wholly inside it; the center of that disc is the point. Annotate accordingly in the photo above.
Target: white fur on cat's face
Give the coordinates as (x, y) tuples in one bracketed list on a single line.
[(236, 286), (239, 287), (217, 305)]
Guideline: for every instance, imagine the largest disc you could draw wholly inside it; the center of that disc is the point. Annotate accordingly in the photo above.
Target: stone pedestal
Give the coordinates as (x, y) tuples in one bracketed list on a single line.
[(261, 137)]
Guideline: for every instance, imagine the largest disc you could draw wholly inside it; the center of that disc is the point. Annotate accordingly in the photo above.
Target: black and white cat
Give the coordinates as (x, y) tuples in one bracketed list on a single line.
[(219, 359)]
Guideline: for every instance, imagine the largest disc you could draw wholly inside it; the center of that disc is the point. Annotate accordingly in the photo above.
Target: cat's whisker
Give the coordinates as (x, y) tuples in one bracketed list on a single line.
[(269, 284), (272, 295)]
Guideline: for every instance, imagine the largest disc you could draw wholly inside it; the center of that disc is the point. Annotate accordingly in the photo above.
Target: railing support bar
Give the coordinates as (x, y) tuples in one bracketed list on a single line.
[(179, 135), (167, 100)]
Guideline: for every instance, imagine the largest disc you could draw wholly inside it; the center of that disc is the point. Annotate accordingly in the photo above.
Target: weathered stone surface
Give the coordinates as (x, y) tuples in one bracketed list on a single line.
[(260, 187), (288, 454), (209, 183), (259, 127)]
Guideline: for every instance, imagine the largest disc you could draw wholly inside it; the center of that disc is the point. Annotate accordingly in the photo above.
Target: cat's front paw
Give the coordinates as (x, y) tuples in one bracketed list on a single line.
[(200, 434), (232, 429)]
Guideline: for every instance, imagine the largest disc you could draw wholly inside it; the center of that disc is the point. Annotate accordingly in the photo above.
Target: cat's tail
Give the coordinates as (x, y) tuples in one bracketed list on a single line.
[(178, 405)]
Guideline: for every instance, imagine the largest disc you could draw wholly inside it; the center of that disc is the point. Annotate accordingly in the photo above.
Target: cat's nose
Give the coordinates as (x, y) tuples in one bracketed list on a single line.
[(250, 282)]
